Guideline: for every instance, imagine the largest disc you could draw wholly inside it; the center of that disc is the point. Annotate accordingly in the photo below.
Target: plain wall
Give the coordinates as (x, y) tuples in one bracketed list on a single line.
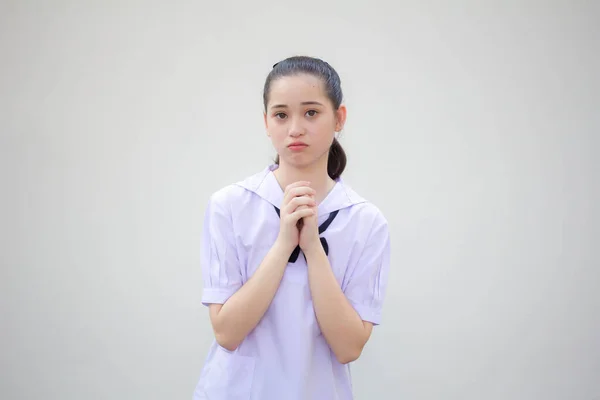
[(474, 126)]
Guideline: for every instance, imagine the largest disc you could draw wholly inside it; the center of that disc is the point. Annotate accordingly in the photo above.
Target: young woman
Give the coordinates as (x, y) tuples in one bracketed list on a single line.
[(295, 263)]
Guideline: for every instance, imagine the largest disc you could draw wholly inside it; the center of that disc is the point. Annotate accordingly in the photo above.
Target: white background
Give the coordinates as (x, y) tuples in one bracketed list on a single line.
[(474, 126)]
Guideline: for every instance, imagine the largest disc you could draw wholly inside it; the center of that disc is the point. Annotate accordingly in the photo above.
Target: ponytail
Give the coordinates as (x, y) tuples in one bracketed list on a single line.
[(337, 160)]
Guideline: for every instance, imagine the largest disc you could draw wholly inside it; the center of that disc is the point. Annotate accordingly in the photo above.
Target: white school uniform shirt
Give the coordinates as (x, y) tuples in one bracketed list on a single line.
[(286, 357)]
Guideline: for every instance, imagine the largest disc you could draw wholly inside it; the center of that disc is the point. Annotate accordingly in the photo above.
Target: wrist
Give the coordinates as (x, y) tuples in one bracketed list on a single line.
[(314, 249), (282, 247)]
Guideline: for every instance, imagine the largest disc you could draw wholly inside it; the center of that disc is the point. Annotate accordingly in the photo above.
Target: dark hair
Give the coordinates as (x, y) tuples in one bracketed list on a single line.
[(333, 87)]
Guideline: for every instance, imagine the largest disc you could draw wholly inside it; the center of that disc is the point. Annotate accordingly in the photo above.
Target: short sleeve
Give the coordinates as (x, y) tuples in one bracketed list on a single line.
[(220, 267), (367, 284)]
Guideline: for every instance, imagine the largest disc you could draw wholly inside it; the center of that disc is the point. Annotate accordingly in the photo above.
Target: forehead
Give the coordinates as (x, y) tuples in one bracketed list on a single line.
[(296, 89)]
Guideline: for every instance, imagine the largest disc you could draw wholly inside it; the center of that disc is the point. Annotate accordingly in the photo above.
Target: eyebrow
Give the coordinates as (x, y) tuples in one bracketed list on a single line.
[(304, 103)]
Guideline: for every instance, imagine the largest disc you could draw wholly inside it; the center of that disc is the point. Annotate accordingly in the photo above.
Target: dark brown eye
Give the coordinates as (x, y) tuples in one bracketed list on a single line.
[(280, 115), (312, 113)]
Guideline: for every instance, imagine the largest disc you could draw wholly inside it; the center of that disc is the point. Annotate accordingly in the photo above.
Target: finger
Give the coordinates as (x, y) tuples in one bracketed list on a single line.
[(312, 206), (297, 202), (296, 184), (298, 214), (297, 192), (305, 200), (291, 210), (302, 201)]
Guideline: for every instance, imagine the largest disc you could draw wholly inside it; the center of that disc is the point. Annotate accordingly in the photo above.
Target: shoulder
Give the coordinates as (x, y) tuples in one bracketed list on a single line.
[(230, 200), (364, 210), (234, 192), (371, 227), (227, 195), (370, 218), (371, 211), (237, 195)]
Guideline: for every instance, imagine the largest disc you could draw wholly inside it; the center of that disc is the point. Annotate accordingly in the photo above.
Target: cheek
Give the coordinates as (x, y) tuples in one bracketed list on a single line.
[(277, 137), (327, 125), (325, 131)]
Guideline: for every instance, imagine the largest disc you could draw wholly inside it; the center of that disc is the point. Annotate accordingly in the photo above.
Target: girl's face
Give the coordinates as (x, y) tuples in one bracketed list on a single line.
[(301, 121)]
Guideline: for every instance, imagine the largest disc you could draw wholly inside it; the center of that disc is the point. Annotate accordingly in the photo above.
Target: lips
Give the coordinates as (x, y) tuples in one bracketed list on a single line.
[(298, 145)]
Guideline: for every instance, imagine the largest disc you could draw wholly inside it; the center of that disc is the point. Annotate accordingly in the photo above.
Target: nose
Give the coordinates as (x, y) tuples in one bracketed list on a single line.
[(296, 129)]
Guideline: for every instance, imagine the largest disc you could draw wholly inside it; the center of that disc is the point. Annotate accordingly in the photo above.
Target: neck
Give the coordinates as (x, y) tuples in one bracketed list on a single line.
[(315, 174)]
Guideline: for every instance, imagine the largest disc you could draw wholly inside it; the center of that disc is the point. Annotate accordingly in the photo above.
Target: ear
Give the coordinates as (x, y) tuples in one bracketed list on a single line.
[(340, 118)]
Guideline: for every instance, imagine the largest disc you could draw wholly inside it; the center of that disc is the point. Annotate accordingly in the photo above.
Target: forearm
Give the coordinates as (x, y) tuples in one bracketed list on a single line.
[(340, 324), (242, 312)]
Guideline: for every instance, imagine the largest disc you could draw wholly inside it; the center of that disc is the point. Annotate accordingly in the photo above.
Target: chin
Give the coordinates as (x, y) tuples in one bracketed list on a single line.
[(301, 161)]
